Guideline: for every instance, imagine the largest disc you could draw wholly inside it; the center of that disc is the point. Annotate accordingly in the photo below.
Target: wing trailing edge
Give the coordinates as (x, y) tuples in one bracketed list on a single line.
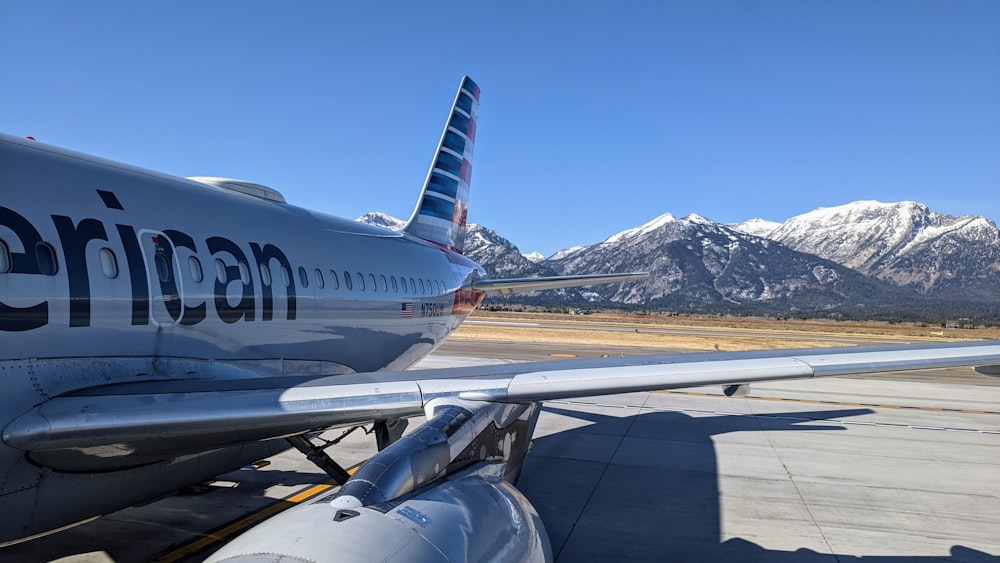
[(128, 424)]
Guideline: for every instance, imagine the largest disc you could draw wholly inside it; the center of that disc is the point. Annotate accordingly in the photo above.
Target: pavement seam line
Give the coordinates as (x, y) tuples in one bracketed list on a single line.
[(795, 485), (604, 472)]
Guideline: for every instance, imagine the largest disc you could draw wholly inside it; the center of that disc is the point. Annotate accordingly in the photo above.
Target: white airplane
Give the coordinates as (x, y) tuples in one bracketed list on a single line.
[(158, 331)]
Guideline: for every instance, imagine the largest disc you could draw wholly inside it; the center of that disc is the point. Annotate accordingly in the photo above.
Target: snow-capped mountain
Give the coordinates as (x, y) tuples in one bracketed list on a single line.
[(500, 257), (382, 220), (757, 227), (859, 259), (535, 257), (905, 243), (566, 252), (697, 263)]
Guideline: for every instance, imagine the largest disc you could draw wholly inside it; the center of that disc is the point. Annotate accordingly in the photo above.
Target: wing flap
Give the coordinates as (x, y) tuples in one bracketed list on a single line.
[(132, 423)]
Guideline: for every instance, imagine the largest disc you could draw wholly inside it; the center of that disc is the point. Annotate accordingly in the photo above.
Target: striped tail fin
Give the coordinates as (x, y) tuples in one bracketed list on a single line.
[(444, 202)]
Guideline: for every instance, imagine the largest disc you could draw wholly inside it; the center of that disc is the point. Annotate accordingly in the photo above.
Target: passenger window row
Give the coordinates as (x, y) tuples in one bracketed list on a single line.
[(46, 259)]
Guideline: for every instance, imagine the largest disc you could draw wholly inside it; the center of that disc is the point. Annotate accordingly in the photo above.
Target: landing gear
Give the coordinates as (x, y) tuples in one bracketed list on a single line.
[(386, 433), (318, 455)]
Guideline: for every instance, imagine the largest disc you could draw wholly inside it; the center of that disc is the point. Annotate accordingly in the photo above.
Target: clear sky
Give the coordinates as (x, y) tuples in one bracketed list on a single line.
[(595, 116)]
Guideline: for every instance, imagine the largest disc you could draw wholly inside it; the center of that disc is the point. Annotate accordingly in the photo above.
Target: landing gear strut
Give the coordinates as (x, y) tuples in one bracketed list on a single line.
[(386, 433), (318, 455)]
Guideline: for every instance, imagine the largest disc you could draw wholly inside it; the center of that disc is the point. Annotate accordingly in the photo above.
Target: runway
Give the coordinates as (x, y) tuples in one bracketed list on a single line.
[(873, 469)]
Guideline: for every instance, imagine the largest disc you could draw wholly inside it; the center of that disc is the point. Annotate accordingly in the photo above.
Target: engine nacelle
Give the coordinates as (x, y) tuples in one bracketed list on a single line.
[(473, 516), (440, 493)]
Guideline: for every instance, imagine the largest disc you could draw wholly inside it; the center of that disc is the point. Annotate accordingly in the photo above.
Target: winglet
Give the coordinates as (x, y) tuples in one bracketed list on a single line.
[(444, 202)]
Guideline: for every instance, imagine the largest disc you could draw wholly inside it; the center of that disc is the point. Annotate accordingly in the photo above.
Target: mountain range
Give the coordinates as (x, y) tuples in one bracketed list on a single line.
[(864, 259)]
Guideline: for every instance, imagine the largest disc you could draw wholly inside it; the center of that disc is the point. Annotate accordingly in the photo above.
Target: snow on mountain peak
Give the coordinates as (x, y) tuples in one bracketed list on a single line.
[(535, 257), (696, 219), (567, 252), (641, 229), (382, 220), (757, 227)]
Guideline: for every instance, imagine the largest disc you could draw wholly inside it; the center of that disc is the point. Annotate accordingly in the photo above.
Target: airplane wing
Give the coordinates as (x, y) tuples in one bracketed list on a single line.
[(505, 286), (126, 424)]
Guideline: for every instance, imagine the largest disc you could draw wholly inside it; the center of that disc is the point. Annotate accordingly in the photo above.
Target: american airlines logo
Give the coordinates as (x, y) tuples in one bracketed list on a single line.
[(151, 263)]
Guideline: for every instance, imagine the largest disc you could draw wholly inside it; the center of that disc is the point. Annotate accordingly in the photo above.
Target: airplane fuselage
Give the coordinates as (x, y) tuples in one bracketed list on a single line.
[(109, 272), (135, 263)]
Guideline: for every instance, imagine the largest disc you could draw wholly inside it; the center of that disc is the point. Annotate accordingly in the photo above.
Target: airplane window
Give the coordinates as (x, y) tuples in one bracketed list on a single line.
[(402, 282), (395, 286), (46, 257), (244, 273), (319, 278), (333, 279), (220, 271), (303, 277), (195, 266), (361, 281), (285, 277), (265, 274), (385, 284), (413, 285), (162, 266), (347, 281), (371, 282), (109, 265), (422, 290), (4, 258)]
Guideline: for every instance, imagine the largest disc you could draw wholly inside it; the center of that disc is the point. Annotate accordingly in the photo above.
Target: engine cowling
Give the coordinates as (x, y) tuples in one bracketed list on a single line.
[(441, 493), (474, 516)]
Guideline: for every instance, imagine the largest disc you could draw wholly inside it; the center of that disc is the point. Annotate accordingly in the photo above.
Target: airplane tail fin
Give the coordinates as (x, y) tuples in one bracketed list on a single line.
[(444, 202)]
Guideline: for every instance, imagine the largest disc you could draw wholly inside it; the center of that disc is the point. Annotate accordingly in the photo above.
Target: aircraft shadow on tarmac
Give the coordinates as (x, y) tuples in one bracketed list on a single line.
[(655, 497)]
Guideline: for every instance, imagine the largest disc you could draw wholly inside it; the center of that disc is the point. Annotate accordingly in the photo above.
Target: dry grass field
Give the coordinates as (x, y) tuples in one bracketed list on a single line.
[(698, 333)]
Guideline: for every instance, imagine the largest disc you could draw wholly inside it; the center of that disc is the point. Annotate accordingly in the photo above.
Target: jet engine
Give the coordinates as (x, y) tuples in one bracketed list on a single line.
[(441, 493)]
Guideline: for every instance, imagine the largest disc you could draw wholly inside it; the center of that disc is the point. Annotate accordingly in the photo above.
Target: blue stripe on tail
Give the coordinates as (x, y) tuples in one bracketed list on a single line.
[(444, 202)]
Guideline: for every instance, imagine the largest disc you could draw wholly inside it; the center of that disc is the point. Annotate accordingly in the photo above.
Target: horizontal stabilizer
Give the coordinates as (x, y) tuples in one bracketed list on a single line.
[(505, 286)]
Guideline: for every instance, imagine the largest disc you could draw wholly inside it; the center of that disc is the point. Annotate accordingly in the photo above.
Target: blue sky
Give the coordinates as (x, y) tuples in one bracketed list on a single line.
[(595, 116)]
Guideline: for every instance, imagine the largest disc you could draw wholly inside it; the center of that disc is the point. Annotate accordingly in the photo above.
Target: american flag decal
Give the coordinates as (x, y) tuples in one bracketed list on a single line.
[(407, 310)]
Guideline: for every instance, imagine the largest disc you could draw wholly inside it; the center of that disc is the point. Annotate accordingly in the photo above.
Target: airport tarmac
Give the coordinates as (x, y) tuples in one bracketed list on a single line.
[(872, 469)]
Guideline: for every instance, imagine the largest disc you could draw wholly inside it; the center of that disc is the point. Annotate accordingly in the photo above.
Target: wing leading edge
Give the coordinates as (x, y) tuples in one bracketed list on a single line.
[(126, 424)]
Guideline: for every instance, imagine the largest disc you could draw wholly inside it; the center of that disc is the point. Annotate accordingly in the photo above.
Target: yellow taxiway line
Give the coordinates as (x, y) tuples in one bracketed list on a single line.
[(247, 521)]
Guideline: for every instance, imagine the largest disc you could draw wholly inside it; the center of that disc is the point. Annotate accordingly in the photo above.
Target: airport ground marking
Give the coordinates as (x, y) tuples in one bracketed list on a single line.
[(780, 416), (244, 522), (837, 403)]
